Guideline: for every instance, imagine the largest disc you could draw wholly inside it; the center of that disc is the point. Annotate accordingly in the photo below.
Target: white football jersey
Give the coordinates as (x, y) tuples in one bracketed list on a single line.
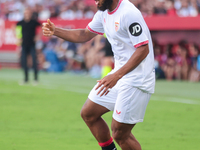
[(126, 30)]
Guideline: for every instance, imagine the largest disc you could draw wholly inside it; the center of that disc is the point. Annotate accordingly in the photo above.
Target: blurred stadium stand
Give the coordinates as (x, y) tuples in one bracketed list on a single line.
[(170, 22)]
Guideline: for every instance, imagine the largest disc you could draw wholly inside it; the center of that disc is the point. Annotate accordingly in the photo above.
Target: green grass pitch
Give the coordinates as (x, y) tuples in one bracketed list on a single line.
[(47, 116)]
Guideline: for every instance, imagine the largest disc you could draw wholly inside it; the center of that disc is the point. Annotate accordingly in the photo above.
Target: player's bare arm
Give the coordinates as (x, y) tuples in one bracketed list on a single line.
[(72, 35), (109, 81)]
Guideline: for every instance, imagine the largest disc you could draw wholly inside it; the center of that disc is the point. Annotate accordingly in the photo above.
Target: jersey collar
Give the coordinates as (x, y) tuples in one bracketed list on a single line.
[(112, 12)]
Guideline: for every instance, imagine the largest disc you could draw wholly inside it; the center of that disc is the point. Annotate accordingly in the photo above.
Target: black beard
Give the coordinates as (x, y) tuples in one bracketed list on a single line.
[(106, 5)]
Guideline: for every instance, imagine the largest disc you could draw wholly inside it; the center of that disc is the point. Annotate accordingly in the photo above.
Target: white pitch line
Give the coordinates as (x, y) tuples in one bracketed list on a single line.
[(78, 90), (155, 98), (47, 83), (176, 100)]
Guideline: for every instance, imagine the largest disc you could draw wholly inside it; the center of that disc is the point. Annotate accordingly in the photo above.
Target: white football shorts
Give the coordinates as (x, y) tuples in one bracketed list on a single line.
[(128, 103)]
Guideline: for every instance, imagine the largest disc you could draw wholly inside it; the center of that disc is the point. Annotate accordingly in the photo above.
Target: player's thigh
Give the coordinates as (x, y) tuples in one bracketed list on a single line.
[(131, 104), (108, 101)]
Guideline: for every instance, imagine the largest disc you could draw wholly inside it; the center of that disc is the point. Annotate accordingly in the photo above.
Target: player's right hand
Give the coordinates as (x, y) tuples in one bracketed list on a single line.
[(48, 28)]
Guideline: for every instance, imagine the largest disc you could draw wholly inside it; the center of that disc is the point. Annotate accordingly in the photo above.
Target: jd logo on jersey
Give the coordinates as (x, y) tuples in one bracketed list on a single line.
[(135, 29)]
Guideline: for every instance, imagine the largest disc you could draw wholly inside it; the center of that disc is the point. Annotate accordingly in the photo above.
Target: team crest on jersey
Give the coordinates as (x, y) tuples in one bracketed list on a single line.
[(116, 26)]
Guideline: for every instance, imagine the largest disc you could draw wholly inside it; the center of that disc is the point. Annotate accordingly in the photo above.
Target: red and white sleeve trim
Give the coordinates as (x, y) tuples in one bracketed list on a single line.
[(94, 31), (140, 44)]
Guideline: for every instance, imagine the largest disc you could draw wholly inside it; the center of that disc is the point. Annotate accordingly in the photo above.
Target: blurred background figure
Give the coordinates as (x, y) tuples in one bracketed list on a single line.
[(27, 28), (194, 73), (92, 55), (107, 61)]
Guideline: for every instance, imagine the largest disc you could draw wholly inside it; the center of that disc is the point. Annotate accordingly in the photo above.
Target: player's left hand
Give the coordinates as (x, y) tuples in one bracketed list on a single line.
[(106, 84), (48, 28)]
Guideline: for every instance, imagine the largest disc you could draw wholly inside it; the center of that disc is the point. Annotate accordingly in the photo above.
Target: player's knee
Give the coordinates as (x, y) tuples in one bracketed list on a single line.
[(118, 135), (87, 116), (84, 113)]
